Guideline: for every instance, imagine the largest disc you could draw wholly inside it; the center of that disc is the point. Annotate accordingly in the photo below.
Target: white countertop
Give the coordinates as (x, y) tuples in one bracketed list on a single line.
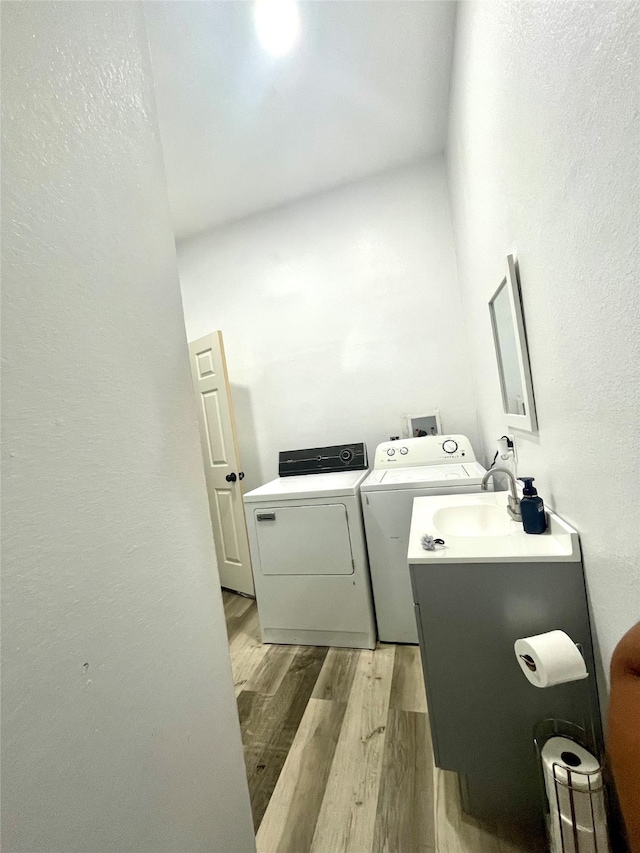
[(559, 543)]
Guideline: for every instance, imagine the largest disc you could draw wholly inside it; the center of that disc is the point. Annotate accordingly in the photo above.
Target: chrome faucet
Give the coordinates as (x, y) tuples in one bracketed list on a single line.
[(513, 504)]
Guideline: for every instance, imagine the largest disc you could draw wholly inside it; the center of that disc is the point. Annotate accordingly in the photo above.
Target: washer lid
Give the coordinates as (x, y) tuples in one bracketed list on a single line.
[(425, 476), (308, 486)]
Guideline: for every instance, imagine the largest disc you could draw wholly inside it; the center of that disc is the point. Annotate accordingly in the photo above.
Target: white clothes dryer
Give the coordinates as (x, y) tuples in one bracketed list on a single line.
[(308, 550), (403, 470)]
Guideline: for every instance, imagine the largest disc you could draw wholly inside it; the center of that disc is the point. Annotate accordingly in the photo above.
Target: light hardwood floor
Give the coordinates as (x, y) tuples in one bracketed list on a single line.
[(338, 750)]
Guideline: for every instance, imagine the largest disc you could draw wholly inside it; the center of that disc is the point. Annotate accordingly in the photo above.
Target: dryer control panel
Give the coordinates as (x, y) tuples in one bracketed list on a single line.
[(323, 460), (427, 450)]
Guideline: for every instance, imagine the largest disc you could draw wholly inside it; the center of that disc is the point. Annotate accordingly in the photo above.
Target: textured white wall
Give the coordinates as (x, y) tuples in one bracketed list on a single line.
[(120, 729), (339, 314), (543, 163), (364, 89)]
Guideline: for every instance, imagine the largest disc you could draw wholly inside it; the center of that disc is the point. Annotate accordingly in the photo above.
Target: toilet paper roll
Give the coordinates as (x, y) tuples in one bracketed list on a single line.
[(577, 817), (572, 762), (551, 658)]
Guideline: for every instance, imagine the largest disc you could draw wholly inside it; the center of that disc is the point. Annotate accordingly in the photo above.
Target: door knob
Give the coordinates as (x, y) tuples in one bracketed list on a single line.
[(241, 475), (231, 478)]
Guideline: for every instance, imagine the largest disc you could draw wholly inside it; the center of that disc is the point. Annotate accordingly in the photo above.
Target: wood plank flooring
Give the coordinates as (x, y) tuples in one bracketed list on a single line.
[(338, 750)]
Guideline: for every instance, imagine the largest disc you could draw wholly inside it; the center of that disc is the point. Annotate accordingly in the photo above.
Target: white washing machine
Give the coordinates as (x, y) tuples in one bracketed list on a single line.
[(308, 550), (404, 470)]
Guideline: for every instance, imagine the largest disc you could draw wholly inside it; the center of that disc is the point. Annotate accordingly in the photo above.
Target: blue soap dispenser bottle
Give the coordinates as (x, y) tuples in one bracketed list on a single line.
[(534, 519)]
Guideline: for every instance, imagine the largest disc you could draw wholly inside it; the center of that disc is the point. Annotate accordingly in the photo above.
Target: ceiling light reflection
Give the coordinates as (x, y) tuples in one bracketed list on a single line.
[(277, 24)]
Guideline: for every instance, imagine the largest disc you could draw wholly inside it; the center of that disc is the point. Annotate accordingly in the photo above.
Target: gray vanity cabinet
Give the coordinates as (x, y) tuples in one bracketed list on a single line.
[(482, 709)]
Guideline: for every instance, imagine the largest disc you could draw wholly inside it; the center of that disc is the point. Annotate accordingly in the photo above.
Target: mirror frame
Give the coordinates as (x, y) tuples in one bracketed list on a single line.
[(527, 422)]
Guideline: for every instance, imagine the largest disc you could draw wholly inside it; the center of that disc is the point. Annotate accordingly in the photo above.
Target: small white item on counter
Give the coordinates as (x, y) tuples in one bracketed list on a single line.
[(429, 543)]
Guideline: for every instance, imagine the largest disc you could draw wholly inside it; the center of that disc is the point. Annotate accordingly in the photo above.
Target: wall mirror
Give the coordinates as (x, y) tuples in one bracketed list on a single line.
[(507, 321)]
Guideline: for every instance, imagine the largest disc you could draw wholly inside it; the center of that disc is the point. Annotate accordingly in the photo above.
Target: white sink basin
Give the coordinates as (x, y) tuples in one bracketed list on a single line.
[(472, 520), (477, 528)]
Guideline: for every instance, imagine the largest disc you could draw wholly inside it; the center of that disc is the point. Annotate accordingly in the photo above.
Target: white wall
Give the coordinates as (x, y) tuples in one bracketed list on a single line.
[(543, 163), (340, 313), (364, 88), (120, 729)]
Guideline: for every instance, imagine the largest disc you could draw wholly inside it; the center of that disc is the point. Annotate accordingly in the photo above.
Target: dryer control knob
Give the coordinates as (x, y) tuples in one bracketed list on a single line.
[(450, 446)]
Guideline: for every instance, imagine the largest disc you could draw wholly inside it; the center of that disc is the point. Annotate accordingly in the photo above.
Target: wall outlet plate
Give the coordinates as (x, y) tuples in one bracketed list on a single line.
[(511, 451)]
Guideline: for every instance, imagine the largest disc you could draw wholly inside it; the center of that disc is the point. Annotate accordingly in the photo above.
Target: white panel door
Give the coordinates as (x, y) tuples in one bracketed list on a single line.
[(221, 461)]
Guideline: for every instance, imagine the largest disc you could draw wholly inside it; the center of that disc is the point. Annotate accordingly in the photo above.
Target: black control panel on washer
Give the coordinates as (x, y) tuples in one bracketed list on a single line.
[(323, 460)]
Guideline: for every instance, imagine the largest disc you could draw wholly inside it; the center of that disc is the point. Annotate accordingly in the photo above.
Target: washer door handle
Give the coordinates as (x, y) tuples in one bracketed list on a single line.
[(266, 516)]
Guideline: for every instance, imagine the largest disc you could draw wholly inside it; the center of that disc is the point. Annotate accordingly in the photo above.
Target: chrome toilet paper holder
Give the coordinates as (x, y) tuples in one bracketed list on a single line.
[(570, 837), (585, 736), (574, 838)]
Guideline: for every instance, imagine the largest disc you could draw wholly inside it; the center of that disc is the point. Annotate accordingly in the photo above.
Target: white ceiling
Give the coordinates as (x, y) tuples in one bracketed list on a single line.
[(364, 90)]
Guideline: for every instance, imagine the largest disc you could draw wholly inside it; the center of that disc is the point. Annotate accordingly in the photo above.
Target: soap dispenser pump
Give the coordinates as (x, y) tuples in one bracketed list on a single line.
[(534, 519)]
